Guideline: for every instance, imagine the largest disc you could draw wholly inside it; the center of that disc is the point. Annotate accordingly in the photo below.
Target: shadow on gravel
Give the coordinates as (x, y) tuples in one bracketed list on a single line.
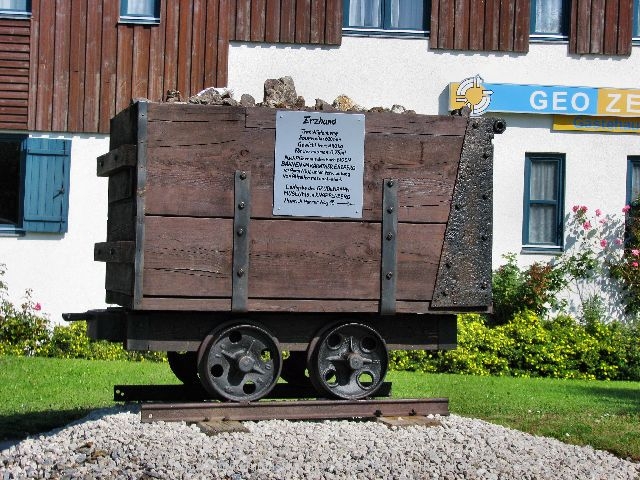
[(20, 426)]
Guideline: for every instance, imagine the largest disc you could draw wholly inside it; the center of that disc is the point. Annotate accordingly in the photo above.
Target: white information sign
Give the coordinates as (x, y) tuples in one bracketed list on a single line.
[(319, 164)]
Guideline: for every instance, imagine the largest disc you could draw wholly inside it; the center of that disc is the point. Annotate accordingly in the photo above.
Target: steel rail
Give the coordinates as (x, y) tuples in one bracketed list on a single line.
[(293, 410)]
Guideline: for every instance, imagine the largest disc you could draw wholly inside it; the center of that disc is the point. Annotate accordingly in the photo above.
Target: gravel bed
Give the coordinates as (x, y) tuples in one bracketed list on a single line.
[(113, 444)]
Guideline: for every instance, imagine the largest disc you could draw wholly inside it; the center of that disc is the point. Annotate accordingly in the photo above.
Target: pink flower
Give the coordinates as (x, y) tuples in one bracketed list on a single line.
[(586, 225), (576, 208), (618, 241), (626, 208), (634, 264), (583, 209), (37, 307), (598, 212), (603, 242), (635, 252)]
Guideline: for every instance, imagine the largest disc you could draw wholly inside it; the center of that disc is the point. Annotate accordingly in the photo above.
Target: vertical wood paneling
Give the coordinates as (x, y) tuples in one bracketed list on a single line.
[(601, 27), (108, 64), (198, 45), (333, 29), (303, 21), (476, 33), (507, 12), (243, 20), (492, 25), (124, 66), (446, 24), (272, 21), (611, 26), (625, 28), (45, 65), (288, 21), (597, 27), (232, 19), (185, 35), (522, 26), (79, 65), (171, 47), (258, 17), (93, 64), (461, 25), (318, 21), (434, 25), (211, 42), (61, 66)]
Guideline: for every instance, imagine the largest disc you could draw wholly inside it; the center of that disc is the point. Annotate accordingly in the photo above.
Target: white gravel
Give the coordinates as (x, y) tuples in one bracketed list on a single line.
[(114, 444)]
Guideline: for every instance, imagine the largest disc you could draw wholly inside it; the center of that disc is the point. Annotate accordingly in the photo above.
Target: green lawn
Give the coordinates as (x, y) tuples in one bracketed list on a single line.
[(40, 393)]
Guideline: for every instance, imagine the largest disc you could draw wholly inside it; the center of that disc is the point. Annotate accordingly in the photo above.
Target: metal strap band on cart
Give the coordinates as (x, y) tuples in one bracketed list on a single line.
[(388, 271), (241, 217)]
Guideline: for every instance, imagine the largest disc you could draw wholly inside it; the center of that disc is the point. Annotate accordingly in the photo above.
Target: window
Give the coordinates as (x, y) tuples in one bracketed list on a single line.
[(550, 19), (34, 185), (140, 11), (18, 8), (543, 201), (396, 17), (633, 178)]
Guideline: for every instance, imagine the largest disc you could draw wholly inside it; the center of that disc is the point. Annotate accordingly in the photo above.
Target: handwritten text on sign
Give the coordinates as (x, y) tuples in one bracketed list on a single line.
[(319, 164)]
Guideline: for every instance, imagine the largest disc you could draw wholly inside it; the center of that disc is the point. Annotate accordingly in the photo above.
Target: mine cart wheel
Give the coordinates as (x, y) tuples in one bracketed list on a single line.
[(184, 366), (294, 369), (347, 361), (240, 362)]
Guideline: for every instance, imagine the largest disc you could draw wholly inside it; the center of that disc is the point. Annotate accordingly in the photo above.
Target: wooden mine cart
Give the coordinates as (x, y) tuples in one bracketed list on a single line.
[(235, 233)]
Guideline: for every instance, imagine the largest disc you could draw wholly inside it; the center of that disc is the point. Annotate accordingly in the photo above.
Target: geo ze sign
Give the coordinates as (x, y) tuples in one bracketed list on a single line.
[(545, 99), (319, 164)]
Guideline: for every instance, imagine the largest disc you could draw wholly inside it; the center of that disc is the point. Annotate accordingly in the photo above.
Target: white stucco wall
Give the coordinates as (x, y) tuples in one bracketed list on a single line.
[(59, 268), (387, 71)]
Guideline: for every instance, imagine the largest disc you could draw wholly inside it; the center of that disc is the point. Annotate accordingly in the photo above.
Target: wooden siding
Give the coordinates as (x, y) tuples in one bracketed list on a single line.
[(14, 73), (490, 25), (85, 66), (601, 27), (286, 21)]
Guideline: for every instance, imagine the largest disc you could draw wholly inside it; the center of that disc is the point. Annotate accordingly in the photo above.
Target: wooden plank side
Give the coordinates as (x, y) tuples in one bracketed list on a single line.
[(596, 43), (211, 42), (189, 257), (45, 64), (232, 19), (258, 19), (93, 65), (121, 221), (108, 62), (272, 21), (583, 31), (197, 179), (14, 72), (140, 66), (223, 44), (60, 105), (446, 24), (303, 21)]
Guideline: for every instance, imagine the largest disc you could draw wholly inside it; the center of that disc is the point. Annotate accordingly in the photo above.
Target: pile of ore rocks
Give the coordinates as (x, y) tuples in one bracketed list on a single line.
[(278, 93)]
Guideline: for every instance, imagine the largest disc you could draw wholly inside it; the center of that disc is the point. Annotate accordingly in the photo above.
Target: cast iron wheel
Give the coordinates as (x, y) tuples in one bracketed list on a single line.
[(240, 362), (184, 366), (348, 361), (294, 368)]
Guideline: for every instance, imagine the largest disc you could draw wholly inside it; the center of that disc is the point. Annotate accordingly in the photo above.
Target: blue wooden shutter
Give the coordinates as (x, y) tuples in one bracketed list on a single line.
[(46, 184)]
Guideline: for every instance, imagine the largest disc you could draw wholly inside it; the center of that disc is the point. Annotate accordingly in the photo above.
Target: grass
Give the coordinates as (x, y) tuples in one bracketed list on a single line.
[(39, 394)]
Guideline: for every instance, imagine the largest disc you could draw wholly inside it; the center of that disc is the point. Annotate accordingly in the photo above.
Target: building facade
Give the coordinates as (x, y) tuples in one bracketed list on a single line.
[(564, 74)]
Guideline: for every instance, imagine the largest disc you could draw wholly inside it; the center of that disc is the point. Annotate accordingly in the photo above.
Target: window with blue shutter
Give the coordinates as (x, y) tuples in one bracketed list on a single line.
[(46, 184)]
